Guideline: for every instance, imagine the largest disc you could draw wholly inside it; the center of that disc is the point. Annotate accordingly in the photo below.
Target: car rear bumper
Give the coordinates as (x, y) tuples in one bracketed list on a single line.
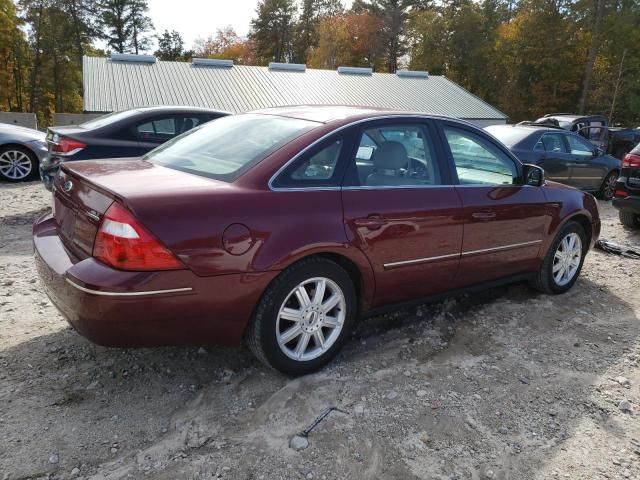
[(627, 204), (142, 309)]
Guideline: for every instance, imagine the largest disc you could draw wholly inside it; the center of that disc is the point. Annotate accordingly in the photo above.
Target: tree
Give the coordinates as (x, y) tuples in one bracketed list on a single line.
[(393, 14), (140, 24), (12, 50), (226, 44), (124, 24), (272, 30), (313, 12), (351, 39), (170, 46)]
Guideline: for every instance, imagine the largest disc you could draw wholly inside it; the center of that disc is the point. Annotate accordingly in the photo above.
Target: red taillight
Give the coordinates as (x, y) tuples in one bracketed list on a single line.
[(67, 146), (620, 193), (124, 243), (631, 160)]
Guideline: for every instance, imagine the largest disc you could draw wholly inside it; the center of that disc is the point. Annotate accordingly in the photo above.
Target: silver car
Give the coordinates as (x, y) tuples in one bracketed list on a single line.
[(21, 150)]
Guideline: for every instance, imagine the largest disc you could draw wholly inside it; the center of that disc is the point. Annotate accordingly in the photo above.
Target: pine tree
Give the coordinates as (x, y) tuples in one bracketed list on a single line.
[(170, 46), (272, 31)]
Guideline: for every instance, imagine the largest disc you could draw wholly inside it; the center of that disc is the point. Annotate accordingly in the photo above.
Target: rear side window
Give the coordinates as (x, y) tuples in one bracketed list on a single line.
[(396, 155), (157, 130), (552, 142), (478, 161), (228, 147), (318, 168)]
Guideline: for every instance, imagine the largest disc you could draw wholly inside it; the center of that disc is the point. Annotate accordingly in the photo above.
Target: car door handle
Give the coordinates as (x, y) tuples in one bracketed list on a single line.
[(372, 222), (484, 215)]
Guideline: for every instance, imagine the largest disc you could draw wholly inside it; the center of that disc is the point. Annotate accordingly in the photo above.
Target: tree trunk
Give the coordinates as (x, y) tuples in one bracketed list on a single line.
[(35, 70), (617, 87), (591, 55)]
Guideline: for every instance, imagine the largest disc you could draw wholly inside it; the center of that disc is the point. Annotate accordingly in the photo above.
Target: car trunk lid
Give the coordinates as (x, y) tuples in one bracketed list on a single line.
[(84, 190)]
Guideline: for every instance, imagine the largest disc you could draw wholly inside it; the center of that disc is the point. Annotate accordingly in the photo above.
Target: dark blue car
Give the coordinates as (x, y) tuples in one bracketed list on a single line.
[(566, 157), (125, 134)]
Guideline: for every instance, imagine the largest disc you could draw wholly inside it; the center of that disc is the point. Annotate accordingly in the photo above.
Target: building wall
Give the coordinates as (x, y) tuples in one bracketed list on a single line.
[(73, 118)]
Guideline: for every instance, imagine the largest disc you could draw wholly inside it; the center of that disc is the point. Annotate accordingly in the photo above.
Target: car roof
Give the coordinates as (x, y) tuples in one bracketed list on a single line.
[(344, 114), (177, 108), (573, 117), (529, 128)]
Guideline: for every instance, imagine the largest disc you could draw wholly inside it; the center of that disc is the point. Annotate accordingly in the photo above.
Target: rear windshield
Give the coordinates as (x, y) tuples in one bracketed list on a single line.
[(226, 148), (108, 119), (510, 136)]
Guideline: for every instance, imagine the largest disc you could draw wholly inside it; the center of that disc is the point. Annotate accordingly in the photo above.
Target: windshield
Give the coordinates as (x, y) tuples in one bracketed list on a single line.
[(229, 146), (108, 119), (508, 135)]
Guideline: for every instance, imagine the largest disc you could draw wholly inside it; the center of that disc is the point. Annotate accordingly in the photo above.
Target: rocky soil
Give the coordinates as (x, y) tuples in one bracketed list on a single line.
[(507, 384)]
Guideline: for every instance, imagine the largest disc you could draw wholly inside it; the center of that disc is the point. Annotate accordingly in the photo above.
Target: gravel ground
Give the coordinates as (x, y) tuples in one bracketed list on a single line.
[(507, 384)]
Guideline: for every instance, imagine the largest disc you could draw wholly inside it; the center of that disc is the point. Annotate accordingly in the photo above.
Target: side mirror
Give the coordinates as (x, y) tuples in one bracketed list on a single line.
[(533, 175)]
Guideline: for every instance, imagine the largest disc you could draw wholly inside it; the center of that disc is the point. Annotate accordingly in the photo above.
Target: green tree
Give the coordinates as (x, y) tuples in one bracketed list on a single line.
[(170, 46), (125, 25), (272, 30), (140, 24), (313, 12)]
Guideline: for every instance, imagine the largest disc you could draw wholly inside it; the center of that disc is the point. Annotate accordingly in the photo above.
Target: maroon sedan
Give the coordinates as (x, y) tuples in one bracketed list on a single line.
[(283, 226)]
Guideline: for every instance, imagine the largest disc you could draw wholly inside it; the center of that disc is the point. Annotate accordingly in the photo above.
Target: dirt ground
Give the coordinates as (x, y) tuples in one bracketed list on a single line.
[(507, 384)]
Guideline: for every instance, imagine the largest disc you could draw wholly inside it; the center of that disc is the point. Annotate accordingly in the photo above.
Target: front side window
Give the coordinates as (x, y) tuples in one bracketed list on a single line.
[(477, 161), (231, 145), (396, 155), (578, 146)]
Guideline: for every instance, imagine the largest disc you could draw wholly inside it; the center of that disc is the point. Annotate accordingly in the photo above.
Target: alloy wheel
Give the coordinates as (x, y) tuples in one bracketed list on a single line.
[(310, 319), (567, 259), (609, 187), (15, 165)]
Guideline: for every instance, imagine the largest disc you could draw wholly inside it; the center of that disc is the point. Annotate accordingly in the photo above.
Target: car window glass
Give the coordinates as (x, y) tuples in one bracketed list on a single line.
[(184, 124), (579, 146), (314, 170), (161, 129), (478, 161), (553, 142), (230, 146), (396, 155)]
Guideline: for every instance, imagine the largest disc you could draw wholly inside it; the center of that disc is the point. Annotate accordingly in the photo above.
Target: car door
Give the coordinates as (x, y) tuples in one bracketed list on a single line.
[(555, 157), (586, 171), (504, 221), (401, 209)]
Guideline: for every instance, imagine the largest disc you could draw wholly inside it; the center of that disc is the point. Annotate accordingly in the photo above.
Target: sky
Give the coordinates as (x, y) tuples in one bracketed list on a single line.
[(201, 18)]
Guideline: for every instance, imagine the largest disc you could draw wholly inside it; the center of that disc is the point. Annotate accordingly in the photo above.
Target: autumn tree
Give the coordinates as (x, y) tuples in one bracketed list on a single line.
[(393, 14), (12, 57), (351, 39), (272, 30), (306, 35)]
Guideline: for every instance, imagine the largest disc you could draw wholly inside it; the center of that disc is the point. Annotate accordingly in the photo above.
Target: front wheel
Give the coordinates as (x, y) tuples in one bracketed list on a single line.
[(563, 262), (608, 187), (304, 317)]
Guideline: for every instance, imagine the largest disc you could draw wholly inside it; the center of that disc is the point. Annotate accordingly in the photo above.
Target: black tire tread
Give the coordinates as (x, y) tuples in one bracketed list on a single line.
[(600, 193), (32, 157)]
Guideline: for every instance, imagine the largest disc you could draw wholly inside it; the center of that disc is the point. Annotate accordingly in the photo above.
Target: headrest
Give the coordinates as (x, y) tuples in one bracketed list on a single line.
[(390, 156)]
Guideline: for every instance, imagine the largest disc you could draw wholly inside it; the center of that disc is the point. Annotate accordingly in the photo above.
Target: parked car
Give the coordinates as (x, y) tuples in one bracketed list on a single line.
[(129, 133), (565, 156), (283, 225), (616, 141), (21, 151), (627, 191)]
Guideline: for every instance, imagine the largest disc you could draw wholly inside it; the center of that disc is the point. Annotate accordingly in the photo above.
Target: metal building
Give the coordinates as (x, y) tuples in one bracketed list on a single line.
[(128, 81)]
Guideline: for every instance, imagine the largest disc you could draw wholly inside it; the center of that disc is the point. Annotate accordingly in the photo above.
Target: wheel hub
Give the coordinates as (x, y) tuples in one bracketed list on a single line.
[(313, 317)]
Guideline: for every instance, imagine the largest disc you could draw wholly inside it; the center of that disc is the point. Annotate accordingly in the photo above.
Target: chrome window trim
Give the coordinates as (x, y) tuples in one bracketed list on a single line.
[(398, 116), (127, 294)]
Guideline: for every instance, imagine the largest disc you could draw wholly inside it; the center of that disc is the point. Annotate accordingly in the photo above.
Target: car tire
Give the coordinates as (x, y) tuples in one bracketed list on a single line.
[(283, 333), (629, 219), (562, 257), (17, 164), (608, 186)]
